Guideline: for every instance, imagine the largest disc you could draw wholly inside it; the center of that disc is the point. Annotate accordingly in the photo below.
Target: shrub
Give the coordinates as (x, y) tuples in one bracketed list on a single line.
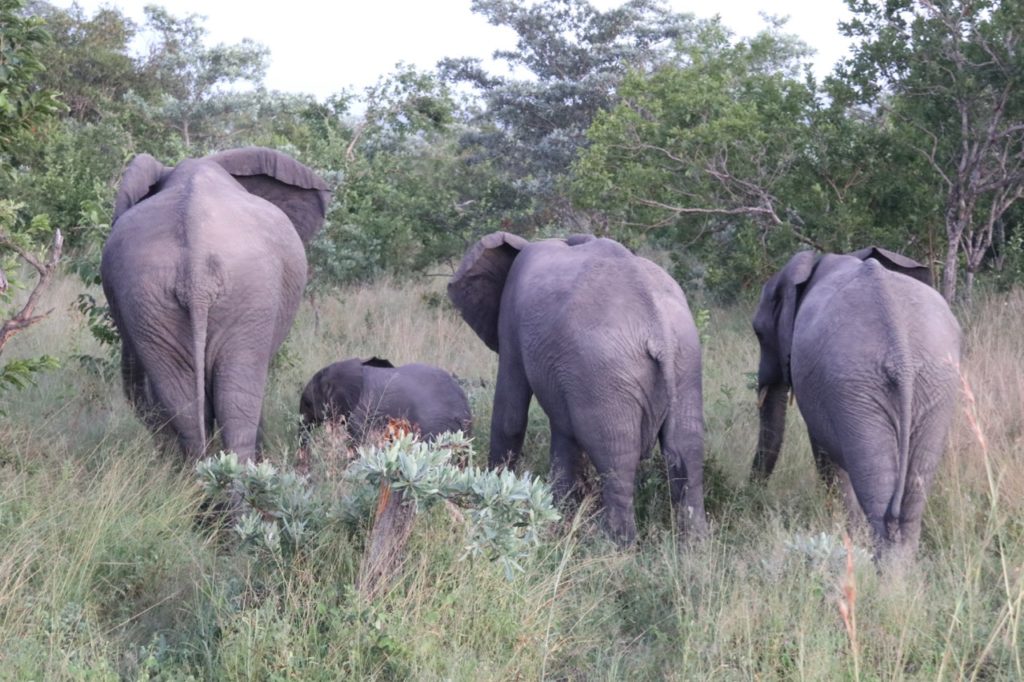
[(281, 510)]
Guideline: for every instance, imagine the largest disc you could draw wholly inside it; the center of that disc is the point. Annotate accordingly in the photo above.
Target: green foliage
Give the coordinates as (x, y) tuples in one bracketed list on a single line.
[(101, 328), (24, 107), (32, 235), (281, 511), (949, 78), (90, 63), (531, 129), (709, 151), (405, 198), (70, 176), (1008, 260), (21, 373), (506, 511), (731, 157), (195, 79)]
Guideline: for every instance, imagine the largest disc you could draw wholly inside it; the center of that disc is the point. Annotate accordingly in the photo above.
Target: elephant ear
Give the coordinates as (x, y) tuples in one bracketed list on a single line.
[(377, 362), (138, 181), (897, 263), (283, 181), (780, 303), (475, 288)]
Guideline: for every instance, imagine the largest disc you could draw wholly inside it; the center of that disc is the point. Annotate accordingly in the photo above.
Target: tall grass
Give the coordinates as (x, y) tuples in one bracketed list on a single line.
[(107, 570)]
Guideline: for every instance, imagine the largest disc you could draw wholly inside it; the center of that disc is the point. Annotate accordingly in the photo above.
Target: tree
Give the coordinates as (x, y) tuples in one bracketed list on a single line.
[(950, 75), (91, 65), (23, 104), (399, 205), (24, 108), (533, 128), (195, 80), (732, 156), (710, 152), (70, 169)]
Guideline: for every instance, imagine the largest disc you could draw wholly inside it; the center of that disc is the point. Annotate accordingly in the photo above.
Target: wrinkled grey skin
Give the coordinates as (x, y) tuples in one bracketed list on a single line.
[(606, 342), (872, 353), (369, 392), (204, 270)]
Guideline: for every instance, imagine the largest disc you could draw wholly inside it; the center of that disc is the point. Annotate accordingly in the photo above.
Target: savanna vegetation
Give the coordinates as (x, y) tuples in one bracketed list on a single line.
[(715, 156)]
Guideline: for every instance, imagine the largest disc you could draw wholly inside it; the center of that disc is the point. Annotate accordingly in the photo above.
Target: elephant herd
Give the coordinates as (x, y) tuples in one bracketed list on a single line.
[(204, 271)]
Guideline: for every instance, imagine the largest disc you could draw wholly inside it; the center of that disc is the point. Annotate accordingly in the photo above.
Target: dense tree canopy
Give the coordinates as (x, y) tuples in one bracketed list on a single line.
[(531, 127), (949, 75), (650, 126), (24, 105)]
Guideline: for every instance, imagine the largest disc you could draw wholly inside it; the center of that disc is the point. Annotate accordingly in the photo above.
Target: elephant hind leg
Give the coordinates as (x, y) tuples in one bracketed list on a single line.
[(682, 443), (177, 413), (568, 486), (617, 491), (925, 455), (138, 391), (238, 385), (874, 487), (835, 478), (827, 470), (615, 456), (566, 469)]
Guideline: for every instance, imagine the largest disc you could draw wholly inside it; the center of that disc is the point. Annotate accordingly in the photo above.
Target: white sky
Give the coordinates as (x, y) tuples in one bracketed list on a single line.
[(323, 46)]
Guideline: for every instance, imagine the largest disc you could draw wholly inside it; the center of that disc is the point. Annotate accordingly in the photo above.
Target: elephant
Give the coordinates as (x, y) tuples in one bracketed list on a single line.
[(871, 353), (367, 392), (203, 271), (606, 342)]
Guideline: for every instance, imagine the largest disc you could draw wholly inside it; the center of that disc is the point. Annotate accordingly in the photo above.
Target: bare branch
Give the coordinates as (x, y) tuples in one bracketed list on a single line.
[(684, 210), (26, 256), (806, 239), (25, 318), (350, 150)]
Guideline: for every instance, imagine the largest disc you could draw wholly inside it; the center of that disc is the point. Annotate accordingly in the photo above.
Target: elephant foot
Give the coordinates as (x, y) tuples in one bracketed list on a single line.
[(620, 529)]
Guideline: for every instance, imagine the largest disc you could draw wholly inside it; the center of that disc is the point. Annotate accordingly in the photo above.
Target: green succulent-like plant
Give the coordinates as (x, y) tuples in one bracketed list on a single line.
[(281, 510)]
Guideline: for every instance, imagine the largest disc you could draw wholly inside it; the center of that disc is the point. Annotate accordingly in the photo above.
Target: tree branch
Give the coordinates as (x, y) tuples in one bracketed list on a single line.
[(683, 210), (25, 318)]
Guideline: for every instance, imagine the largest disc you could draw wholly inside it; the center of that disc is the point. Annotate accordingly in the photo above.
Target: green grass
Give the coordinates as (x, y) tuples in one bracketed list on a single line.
[(107, 571)]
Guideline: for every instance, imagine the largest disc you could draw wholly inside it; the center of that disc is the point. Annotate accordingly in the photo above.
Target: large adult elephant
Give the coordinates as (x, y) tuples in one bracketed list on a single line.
[(204, 270), (871, 352), (606, 342)]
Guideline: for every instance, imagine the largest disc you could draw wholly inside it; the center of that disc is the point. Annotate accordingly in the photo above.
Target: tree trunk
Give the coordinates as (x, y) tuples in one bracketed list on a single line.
[(949, 269), (392, 526)]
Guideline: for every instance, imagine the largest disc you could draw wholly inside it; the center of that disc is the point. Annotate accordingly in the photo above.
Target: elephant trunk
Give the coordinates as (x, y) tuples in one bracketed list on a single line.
[(772, 410)]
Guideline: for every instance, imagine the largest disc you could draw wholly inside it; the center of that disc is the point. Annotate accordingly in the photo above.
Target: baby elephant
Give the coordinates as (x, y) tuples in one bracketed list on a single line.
[(369, 392)]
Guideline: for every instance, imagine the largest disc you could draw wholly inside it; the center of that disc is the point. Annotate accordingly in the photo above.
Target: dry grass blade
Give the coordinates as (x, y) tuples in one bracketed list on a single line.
[(848, 605), (1010, 612)]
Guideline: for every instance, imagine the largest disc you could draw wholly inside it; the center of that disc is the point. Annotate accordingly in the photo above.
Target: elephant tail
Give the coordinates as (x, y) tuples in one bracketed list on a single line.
[(199, 312), (905, 387)]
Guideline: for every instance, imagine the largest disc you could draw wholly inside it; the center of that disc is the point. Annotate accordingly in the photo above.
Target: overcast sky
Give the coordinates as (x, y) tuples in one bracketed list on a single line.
[(321, 47)]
